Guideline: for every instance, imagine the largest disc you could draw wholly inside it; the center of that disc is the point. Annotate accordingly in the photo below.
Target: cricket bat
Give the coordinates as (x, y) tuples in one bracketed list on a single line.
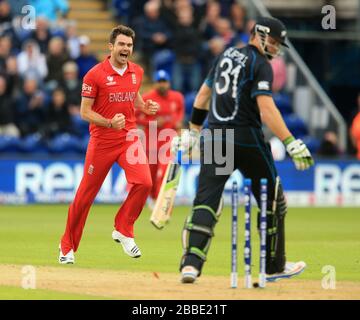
[(165, 201)]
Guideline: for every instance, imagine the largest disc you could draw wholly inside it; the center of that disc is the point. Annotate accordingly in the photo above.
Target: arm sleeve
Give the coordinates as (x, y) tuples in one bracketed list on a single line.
[(89, 86), (263, 78)]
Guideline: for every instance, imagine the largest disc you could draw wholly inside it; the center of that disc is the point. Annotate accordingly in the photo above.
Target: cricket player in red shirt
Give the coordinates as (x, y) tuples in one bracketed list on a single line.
[(110, 93), (169, 116)]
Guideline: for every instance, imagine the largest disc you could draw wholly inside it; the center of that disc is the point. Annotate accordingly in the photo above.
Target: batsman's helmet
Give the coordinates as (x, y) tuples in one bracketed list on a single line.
[(270, 27)]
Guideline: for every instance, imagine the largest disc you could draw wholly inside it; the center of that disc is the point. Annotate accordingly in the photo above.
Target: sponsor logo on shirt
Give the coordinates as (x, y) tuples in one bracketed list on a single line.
[(111, 81), (86, 88), (264, 85), (122, 96), (133, 77)]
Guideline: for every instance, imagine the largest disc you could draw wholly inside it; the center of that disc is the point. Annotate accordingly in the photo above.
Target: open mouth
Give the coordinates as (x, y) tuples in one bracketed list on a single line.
[(124, 55)]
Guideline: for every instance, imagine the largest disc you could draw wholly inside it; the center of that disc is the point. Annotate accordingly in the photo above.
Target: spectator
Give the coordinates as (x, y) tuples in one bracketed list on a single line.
[(168, 14), (329, 145), (355, 129), (223, 30), (121, 10), (154, 33), (237, 14), (86, 60), (7, 125), (31, 62), (187, 47), (207, 26), (73, 41), (13, 78), (72, 87), (199, 11), (16, 7), (17, 34), (30, 107), (5, 51), (42, 34), (50, 8), (57, 116), (136, 9), (279, 73), (215, 47), (5, 14), (56, 58), (182, 5), (250, 25)]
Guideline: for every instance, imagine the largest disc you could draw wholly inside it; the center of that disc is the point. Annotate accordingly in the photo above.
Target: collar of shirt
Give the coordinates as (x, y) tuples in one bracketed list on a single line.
[(109, 68), (120, 71), (254, 48)]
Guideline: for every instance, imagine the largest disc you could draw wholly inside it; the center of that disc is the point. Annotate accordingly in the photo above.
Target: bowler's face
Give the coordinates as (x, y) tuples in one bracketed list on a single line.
[(122, 49)]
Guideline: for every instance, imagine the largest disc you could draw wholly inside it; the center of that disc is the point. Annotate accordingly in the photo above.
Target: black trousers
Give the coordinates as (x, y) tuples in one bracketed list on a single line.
[(246, 150), (248, 153)]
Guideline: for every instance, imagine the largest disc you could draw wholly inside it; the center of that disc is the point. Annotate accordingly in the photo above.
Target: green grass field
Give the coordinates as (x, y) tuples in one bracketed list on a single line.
[(29, 235)]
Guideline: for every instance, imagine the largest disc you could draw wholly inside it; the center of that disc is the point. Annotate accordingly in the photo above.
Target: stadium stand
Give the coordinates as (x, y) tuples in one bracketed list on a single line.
[(42, 68)]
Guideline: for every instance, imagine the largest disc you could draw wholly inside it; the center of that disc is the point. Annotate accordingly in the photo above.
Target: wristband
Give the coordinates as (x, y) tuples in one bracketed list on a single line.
[(109, 124), (198, 116), (288, 140)]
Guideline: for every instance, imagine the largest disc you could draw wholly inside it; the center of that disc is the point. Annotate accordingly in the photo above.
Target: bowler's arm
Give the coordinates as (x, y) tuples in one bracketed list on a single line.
[(89, 115), (139, 102)]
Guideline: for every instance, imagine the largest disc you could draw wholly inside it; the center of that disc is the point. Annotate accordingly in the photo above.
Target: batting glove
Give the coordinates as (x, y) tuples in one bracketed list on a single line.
[(299, 153), (186, 142)]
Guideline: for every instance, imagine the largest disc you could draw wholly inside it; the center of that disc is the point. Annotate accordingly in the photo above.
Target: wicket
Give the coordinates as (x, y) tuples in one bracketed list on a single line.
[(247, 244), (234, 236)]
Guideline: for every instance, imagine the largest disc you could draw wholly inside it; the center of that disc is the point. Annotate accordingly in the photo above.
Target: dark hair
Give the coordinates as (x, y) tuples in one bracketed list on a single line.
[(121, 29)]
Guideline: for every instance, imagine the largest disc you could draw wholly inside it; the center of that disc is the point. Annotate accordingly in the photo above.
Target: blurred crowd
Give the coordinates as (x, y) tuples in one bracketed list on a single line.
[(183, 36), (42, 62)]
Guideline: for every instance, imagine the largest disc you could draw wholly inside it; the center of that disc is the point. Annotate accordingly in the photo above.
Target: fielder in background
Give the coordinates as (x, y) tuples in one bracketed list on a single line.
[(169, 116), (110, 93), (239, 89)]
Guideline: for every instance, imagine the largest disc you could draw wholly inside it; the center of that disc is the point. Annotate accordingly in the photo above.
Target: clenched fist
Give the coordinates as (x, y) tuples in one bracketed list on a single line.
[(151, 107), (118, 121)]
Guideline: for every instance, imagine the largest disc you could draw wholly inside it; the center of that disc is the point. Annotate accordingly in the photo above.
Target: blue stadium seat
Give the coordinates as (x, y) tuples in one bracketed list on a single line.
[(164, 60), (312, 143), (32, 143), (296, 125), (81, 126), (64, 143), (189, 101), (82, 144), (9, 144), (283, 102)]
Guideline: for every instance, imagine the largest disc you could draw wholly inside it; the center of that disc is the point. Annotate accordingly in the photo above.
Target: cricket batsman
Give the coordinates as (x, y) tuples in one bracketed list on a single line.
[(110, 93), (238, 88), (169, 116)]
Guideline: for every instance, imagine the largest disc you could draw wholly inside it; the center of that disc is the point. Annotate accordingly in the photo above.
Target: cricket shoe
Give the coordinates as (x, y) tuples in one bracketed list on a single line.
[(127, 243), (189, 274), (68, 258), (292, 269)]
